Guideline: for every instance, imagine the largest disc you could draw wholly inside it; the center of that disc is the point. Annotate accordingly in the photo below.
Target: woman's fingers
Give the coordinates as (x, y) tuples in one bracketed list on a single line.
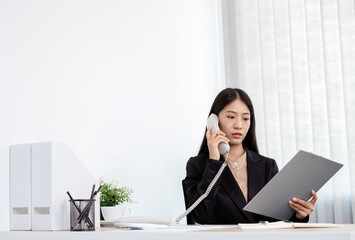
[(213, 140), (301, 212), (217, 136), (301, 205), (303, 208), (220, 139), (218, 133), (314, 197)]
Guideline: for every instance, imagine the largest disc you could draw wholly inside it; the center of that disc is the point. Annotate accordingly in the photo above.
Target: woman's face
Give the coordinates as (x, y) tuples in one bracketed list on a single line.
[(234, 121)]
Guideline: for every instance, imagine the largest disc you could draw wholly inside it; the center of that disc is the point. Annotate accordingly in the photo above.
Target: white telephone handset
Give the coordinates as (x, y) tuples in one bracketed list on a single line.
[(213, 121), (223, 150)]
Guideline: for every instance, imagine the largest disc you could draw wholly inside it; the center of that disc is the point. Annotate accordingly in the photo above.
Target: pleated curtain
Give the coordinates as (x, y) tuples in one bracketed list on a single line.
[(296, 60)]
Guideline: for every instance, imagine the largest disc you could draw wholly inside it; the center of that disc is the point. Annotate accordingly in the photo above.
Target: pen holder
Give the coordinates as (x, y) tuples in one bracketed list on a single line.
[(82, 215)]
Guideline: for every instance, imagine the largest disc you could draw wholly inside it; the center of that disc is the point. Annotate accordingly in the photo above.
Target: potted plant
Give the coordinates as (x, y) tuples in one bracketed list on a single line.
[(112, 197)]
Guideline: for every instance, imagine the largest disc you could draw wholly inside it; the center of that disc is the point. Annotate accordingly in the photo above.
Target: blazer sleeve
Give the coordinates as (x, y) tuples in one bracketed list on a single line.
[(199, 174)]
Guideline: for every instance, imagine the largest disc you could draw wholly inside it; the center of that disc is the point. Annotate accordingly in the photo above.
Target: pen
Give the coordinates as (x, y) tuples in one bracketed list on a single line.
[(85, 212)]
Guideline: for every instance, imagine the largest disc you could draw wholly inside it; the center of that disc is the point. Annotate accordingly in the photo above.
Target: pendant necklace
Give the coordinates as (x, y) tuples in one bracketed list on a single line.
[(235, 164)]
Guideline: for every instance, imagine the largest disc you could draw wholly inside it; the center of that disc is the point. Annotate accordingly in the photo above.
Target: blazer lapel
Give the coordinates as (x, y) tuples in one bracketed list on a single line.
[(232, 188), (256, 174), (256, 181)]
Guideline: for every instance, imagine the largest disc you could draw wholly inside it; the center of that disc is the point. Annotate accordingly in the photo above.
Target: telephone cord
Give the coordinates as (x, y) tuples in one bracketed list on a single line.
[(203, 196)]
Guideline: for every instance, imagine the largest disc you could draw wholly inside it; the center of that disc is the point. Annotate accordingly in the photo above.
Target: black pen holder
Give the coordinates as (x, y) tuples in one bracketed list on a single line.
[(82, 215)]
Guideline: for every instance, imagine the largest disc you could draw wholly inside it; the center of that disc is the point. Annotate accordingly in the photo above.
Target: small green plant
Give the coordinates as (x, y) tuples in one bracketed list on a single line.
[(112, 195)]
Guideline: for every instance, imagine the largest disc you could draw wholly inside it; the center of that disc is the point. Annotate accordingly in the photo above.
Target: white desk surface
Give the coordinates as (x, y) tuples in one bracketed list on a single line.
[(230, 232)]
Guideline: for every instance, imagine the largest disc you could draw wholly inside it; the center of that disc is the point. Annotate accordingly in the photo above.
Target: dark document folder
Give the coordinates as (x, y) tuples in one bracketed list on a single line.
[(303, 173)]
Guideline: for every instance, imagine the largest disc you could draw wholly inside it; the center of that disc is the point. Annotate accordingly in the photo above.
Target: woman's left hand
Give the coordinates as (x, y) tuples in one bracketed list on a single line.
[(303, 208)]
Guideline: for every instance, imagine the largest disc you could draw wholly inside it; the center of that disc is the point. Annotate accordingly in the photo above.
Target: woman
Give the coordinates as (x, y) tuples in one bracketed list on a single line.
[(247, 172)]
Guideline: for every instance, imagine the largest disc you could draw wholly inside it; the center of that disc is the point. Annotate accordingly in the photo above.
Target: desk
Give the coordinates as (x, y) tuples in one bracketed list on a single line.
[(230, 232)]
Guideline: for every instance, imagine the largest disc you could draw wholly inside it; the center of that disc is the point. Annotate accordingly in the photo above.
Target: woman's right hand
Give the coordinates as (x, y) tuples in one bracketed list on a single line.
[(213, 141)]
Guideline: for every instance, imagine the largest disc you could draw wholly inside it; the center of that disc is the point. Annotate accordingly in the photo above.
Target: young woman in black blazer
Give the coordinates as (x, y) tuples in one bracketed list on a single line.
[(235, 187)]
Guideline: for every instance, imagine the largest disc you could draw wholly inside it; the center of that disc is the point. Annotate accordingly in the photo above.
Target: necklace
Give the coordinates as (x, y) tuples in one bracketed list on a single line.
[(234, 164)]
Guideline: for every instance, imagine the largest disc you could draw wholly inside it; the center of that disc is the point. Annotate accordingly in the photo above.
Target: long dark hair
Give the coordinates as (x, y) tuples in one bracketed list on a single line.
[(224, 98)]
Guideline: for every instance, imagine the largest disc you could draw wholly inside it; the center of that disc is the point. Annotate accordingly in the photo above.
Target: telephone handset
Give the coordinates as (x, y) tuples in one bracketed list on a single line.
[(223, 150), (213, 121)]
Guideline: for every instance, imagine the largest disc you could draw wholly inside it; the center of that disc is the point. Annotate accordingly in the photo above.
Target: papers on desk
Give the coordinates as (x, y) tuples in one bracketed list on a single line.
[(188, 228), (172, 228), (142, 222), (283, 225), (142, 226), (160, 224)]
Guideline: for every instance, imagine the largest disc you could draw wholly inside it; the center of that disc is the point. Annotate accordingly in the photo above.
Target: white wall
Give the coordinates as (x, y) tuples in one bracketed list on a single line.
[(126, 84)]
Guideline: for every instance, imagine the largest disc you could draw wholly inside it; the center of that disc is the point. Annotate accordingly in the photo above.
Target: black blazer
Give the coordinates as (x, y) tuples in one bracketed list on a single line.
[(225, 203)]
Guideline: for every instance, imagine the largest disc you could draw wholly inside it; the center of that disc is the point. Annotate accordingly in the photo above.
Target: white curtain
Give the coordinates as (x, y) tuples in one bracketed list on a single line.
[(296, 60)]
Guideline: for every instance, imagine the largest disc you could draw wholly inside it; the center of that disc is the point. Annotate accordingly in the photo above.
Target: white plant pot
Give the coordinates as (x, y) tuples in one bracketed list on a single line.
[(112, 213)]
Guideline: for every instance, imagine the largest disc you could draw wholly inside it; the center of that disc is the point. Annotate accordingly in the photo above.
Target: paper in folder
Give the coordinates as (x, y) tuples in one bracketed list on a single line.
[(303, 173)]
